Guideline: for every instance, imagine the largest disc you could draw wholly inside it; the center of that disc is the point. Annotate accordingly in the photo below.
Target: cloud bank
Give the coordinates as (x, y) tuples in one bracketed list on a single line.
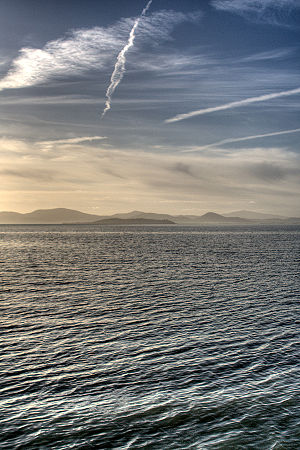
[(111, 179), (231, 105)]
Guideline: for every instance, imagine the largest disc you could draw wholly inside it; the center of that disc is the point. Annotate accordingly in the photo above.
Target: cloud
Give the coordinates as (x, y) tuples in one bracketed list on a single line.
[(280, 53), (119, 69), (269, 172), (275, 12), (3, 61), (73, 55), (231, 105), (71, 141), (86, 49), (183, 169), (176, 63), (141, 180), (12, 146), (30, 174), (57, 149), (245, 138)]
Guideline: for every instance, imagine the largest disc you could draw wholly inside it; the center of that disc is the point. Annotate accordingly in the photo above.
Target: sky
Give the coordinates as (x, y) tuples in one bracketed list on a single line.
[(165, 106)]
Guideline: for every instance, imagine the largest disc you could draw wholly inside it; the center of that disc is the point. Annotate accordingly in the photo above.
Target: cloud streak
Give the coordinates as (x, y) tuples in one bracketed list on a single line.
[(275, 12), (246, 138), (278, 53), (231, 105), (77, 140), (119, 69)]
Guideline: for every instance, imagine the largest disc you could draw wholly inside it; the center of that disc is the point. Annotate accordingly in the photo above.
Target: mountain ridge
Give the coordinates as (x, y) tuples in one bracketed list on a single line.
[(46, 216), (69, 216), (253, 215)]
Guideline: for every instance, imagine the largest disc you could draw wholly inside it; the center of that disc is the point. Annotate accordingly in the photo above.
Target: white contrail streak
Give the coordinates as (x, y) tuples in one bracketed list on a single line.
[(246, 138), (246, 101), (119, 69)]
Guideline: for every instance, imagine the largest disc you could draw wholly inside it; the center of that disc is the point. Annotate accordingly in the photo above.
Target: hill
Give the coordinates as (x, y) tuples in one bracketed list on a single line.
[(253, 215), (212, 217), (47, 216), (132, 221)]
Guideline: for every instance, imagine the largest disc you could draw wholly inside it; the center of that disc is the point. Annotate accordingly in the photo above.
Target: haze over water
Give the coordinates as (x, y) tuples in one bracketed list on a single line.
[(149, 337)]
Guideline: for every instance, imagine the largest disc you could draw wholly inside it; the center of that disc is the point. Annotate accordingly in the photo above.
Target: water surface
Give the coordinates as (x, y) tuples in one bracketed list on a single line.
[(149, 337)]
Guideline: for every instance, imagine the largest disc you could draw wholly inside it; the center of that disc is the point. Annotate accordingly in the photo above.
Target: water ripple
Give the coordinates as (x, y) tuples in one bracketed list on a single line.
[(149, 337)]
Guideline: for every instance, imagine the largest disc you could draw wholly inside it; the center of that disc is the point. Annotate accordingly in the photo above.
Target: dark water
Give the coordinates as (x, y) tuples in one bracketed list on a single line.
[(149, 337)]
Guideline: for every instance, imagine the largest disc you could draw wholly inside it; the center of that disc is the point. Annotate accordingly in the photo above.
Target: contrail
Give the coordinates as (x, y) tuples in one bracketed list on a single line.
[(246, 101), (246, 138), (119, 69)]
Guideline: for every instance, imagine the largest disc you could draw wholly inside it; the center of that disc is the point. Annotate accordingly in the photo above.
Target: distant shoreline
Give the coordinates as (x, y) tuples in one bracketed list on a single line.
[(64, 216)]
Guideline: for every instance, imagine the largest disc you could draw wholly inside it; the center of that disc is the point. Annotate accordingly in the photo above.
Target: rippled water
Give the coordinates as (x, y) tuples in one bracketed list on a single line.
[(149, 337)]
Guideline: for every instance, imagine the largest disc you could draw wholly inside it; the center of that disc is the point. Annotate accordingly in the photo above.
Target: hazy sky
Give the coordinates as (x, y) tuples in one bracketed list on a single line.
[(204, 105)]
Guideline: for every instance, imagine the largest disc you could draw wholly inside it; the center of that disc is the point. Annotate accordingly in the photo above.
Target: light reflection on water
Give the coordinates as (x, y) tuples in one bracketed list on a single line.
[(149, 337)]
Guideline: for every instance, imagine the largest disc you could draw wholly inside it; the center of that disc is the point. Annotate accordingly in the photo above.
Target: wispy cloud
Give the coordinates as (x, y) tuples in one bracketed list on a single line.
[(119, 69), (275, 12), (246, 101), (86, 49), (241, 139), (29, 150), (31, 174), (73, 55), (3, 61), (76, 140), (279, 53), (176, 63)]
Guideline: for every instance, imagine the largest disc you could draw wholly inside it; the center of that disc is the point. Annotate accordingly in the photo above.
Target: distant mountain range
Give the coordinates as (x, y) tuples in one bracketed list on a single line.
[(47, 216), (65, 216), (133, 221), (252, 215)]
